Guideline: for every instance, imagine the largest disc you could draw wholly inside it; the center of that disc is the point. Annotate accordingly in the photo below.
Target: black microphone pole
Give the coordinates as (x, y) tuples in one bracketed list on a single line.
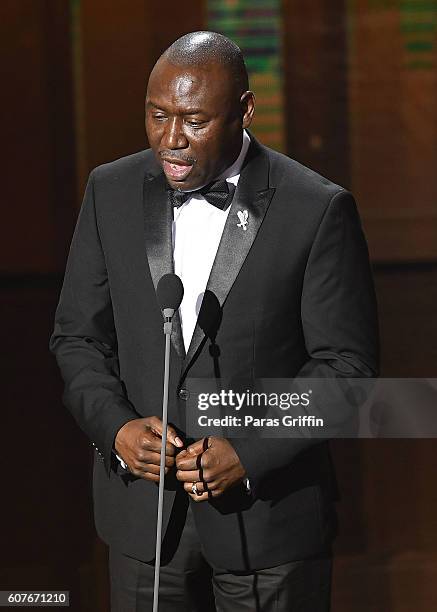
[(170, 292)]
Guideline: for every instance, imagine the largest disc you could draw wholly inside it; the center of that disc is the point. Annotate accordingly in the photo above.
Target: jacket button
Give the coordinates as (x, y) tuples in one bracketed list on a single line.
[(184, 394)]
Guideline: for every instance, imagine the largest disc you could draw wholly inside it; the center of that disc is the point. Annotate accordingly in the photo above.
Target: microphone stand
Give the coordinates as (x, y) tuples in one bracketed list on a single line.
[(168, 314)]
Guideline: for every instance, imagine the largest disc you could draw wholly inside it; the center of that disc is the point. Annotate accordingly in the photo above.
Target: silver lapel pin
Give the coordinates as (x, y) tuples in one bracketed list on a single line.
[(243, 215)]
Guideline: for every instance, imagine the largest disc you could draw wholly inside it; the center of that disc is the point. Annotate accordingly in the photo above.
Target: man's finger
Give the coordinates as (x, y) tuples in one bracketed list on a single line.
[(187, 460), (153, 459), (200, 498), (198, 447), (146, 475), (152, 441), (172, 436), (188, 463), (192, 454), (180, 457), (201, 486), (202, 495), (189, 476), (148, 468)]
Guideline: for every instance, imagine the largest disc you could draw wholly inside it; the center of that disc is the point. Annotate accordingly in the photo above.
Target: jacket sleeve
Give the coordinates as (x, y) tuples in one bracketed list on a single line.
[(84, 339), (339, 320)]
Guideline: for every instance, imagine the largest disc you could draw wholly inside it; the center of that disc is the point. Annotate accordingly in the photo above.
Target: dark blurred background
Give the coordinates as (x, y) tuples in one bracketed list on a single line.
[(346, 87)]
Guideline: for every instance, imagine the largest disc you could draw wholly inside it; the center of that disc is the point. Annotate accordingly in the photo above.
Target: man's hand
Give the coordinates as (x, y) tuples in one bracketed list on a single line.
[(212, 464), (138, 443)]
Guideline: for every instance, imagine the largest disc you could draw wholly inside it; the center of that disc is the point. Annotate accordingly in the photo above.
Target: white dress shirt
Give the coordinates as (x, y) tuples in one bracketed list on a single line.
[(197, 229)]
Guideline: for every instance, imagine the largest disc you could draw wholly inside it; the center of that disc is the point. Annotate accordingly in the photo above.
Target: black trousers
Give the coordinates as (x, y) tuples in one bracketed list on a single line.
[(189, 584)]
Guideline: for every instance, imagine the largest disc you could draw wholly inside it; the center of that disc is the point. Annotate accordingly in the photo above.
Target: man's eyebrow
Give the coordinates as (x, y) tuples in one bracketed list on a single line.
[(188, 111)]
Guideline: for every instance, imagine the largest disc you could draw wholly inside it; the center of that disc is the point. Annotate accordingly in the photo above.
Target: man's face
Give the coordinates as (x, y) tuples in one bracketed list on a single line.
[(194, 121)]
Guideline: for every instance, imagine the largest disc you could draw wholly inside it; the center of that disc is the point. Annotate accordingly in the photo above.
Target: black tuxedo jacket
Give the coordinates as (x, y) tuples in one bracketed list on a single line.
[(296, 298)]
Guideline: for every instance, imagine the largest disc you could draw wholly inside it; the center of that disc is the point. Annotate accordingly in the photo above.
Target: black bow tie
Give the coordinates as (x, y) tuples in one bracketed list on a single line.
[(216, 193)]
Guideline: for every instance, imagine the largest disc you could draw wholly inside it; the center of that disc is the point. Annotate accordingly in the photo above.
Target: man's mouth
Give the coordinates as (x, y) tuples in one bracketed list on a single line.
[(176, 170)]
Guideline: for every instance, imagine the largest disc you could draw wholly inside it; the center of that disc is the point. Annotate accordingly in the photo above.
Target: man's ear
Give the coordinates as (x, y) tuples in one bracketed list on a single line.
[(247, 101)]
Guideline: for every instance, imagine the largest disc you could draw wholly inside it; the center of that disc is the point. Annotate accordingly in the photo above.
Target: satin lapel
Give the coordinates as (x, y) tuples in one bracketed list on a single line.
[(158, 219), (253, 196)]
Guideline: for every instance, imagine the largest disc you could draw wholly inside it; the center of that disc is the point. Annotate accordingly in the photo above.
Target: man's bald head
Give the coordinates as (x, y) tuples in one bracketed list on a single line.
[(201, 48)]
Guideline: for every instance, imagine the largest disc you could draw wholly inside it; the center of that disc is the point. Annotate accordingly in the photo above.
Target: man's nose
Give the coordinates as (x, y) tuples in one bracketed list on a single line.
[(174, 137)]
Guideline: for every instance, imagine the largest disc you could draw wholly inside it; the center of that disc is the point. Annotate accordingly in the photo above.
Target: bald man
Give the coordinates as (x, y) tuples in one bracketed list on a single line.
[(281, 255)]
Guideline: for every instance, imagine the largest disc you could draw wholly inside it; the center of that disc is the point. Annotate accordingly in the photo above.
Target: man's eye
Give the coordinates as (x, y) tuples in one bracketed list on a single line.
[(159, 117), (194, 123)]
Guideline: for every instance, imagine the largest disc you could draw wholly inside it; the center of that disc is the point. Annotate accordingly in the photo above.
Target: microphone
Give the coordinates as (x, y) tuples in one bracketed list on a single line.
[(169, 292)]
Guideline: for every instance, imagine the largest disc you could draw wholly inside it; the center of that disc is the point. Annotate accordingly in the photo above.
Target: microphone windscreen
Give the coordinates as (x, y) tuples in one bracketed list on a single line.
[(170, 291)]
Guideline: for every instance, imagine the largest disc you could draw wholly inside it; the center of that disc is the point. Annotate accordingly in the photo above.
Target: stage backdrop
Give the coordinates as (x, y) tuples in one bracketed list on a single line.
[(392, 76), (255, 25)]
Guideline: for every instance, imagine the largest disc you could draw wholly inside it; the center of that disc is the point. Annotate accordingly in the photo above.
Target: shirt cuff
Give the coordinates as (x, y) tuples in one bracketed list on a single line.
[(123, 464)]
